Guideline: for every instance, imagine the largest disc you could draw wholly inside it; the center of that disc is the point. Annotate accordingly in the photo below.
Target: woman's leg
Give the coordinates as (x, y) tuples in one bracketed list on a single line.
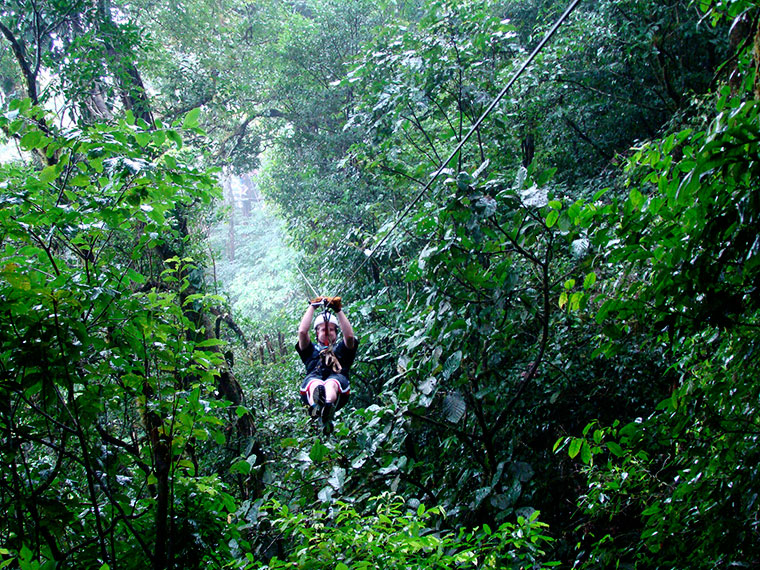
[(338, 385), (332, 390), (309, 389)]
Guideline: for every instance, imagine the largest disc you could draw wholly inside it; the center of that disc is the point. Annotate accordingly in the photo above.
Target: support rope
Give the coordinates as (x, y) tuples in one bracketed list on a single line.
[(307, 281)]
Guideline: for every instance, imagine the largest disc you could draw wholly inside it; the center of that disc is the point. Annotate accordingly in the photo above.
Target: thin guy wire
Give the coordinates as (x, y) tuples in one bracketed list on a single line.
[(490, 108), (307, 281)]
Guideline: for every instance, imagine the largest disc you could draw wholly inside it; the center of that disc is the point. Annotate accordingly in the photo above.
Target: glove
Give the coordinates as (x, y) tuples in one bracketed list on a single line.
[(317, 301), (334, 304)]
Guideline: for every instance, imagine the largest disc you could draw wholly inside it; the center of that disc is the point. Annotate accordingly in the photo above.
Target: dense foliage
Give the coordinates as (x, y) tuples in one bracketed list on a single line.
[(558, 334), (107, 378)]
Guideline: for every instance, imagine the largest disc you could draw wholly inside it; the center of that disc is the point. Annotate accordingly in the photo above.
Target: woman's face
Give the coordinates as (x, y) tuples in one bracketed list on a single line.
[(327, 334)]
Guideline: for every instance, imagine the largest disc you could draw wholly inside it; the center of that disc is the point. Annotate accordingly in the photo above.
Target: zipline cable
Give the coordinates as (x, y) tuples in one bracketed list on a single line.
[(490, 108)]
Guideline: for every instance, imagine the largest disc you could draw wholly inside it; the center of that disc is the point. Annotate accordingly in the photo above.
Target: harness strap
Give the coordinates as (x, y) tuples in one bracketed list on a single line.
[(329, 360)]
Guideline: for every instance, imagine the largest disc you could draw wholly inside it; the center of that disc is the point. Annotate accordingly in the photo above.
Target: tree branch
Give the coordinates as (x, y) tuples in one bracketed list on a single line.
[(464, 437), (531, 373), (241, 129), (20, 52), (224, 316), (586, 138)]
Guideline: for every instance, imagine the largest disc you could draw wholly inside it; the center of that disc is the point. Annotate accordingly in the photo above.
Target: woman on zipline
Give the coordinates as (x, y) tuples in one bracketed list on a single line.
[(326, 388)]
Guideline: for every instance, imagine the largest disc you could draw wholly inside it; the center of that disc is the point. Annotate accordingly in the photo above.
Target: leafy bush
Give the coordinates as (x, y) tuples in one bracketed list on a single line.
[(391, 535)]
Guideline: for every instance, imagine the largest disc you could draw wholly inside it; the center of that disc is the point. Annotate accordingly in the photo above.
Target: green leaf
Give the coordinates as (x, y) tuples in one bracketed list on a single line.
[(318, 452), (545, 175), (652, 510), (136, 277), (551, 218), (615, 448), (219, 437), (241, 466), (575, 446), (452, 364), (637, 198), (586, 453), (200, 434), (143, 139), (48, 174), (209, 342), (405, 391), (191, 118), (31, 140), (175, 137), (599, 194), (80, 181)]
